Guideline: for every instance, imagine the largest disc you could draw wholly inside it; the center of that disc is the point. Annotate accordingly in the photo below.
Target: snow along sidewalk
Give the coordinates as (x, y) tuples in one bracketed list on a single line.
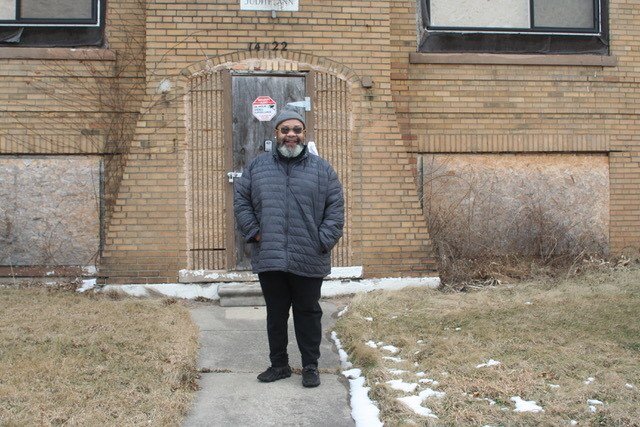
[(234, 350), (330, 288)]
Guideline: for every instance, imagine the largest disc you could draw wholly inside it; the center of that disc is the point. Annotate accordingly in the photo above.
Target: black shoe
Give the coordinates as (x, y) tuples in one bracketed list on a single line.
[(275, 373), (310, 376)]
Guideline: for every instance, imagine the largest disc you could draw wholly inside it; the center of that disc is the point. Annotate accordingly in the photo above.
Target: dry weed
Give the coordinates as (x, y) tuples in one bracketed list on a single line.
[(71, 359), (549, 336)]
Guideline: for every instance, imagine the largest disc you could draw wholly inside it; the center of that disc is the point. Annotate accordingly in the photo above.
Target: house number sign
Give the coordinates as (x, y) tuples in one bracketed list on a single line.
[(275, 46)]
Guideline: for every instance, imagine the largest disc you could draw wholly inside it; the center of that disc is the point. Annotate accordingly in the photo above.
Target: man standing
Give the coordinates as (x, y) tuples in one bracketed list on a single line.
[(289, 204)]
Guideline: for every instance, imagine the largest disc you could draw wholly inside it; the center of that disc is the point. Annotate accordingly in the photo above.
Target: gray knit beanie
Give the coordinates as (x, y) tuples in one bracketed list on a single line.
[(288, 113)]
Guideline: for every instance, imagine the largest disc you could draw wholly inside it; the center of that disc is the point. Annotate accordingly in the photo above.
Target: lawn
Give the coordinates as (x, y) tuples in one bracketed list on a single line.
[(570, 347), (67, 358)]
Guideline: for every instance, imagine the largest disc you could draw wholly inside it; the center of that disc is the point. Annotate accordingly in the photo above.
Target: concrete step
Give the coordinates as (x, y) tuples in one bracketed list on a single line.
[(240, 294)]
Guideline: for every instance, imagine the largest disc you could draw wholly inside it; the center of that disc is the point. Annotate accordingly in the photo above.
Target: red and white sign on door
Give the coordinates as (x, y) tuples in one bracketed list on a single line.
[(264, 108)]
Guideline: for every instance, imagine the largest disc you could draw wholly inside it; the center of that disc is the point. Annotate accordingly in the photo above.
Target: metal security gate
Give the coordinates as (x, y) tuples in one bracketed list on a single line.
[(207, 204), (333, 139)]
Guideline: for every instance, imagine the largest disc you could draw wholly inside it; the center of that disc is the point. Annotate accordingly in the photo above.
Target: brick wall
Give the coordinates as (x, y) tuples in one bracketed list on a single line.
[(411, 109)]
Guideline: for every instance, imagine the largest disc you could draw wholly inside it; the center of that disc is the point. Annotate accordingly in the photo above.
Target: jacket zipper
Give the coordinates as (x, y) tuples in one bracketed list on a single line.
[(286, 216)]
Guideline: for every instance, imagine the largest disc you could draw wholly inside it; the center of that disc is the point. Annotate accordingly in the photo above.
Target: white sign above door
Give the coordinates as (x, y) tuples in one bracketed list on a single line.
[(285, 5)]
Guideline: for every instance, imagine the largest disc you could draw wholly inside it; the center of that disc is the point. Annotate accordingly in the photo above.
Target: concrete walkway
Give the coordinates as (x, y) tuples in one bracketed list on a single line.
[(234, 350)]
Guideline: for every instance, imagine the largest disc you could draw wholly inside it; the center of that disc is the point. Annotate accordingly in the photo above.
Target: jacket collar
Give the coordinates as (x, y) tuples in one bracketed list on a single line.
[(303, 155)]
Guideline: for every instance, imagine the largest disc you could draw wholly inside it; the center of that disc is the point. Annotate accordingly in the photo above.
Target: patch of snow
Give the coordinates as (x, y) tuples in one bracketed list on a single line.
[(337, 287), (394, 317), (371, 344), (353, 272), (431, 393), (396, 371), (343, 311), (458, 329), (131, 290), (491, 362), (592, 409), (629, 386), (415, 402), (363, 411), (486, 399), (174, 290), (528, 303), (87, 284), (390, 348), (594, 402), (344, 358), (352, 374), (573, 422), (589, 380), (525, 405), (554, 385), (393, 359), (185, 291), (419, 341), (369, 319), (90, 270), (402, 386), (420, 374), (50, 273)]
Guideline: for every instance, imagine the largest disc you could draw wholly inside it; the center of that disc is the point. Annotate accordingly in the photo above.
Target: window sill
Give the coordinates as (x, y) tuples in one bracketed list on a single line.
[(57, 53), (512, 59)]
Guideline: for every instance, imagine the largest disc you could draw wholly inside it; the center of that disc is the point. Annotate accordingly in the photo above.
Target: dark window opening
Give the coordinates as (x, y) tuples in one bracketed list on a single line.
[(515, 26), (52, 23)]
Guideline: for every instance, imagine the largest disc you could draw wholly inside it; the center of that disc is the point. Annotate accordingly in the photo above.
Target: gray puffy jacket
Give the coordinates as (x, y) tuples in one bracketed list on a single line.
[(296, 206)]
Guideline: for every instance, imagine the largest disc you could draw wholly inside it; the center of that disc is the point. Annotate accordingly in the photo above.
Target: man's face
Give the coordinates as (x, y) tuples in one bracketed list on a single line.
[(293, 136)]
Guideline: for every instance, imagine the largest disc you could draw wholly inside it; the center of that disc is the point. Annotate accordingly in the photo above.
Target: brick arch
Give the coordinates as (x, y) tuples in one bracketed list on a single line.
[(272, 61)]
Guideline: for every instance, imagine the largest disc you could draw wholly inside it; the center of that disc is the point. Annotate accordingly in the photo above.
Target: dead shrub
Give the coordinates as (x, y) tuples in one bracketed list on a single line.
[(491, 223)]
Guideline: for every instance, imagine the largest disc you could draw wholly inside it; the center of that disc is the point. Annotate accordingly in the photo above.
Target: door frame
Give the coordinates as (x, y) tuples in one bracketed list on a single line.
[(227, 76)]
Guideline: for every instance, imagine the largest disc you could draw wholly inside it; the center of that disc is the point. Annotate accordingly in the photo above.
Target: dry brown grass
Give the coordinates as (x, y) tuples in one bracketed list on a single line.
[(69, 359), (544, 333)]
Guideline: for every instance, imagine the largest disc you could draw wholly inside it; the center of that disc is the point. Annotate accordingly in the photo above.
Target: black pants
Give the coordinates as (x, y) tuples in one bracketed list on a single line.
[(281, 292)]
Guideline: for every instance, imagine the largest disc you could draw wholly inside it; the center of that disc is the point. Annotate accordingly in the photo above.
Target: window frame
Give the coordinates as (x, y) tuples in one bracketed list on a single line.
[(537, 40), (94, 21)]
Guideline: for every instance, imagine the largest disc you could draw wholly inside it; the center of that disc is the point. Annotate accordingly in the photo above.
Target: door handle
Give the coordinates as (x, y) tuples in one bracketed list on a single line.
[(233, 175)]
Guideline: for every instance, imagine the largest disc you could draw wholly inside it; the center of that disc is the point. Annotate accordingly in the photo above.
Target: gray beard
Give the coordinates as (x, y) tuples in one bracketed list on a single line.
[(288, 152)]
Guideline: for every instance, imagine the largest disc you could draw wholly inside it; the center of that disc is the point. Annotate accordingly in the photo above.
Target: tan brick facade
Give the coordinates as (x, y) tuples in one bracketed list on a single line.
[(411, 108)]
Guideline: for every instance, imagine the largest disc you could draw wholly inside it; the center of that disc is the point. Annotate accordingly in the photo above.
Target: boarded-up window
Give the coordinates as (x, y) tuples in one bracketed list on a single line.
[(577, 16), (57, 9), (49, 210)]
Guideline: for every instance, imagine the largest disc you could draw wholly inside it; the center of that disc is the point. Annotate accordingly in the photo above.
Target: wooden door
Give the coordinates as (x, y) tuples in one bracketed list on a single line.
[(250, 133)]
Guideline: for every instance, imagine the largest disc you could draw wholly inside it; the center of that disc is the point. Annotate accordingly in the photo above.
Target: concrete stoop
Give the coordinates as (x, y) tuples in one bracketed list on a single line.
[(240, 294), (244, 291)]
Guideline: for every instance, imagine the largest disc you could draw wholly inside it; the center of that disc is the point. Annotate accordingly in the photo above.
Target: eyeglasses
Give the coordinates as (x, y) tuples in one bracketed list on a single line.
[(296, 129)]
